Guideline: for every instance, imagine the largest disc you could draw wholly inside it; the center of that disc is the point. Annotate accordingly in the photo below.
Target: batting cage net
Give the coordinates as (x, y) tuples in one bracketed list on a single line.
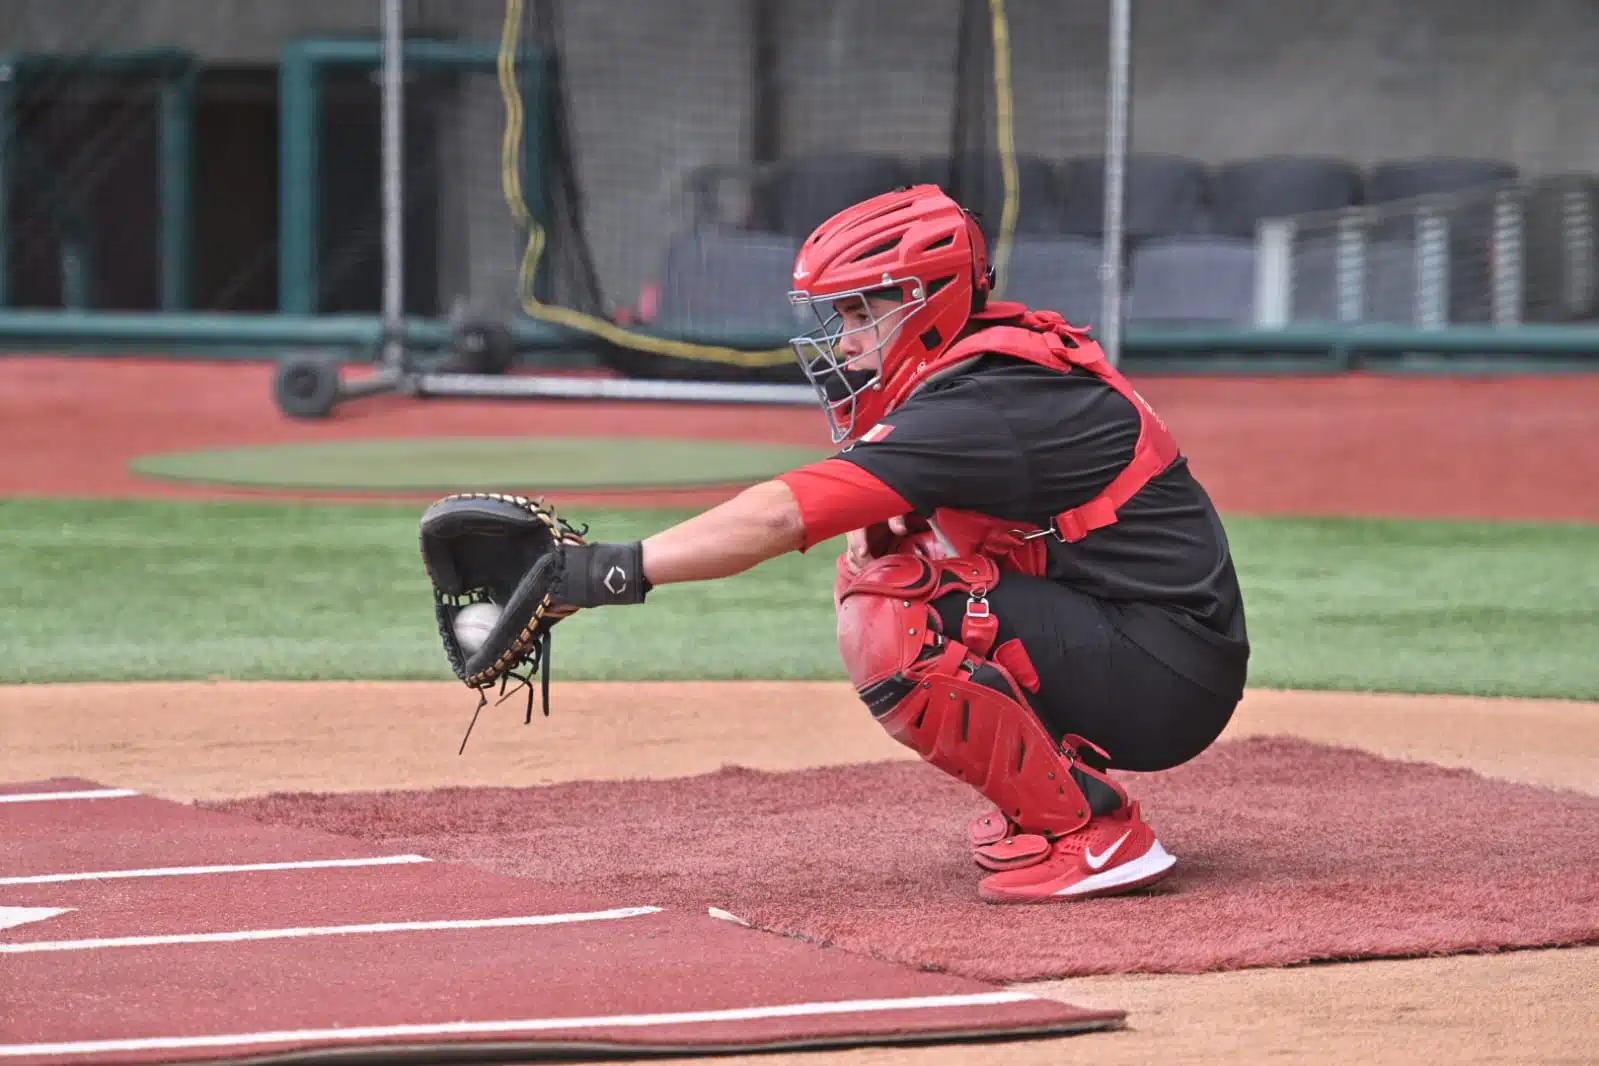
[(682, 152), (625, 176)]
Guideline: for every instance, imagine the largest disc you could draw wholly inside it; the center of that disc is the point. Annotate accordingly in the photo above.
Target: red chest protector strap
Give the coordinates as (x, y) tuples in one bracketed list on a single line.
[(1045, 338)]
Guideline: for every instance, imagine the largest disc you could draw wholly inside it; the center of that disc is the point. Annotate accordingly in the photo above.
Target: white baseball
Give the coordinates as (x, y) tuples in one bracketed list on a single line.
[(473, 623)]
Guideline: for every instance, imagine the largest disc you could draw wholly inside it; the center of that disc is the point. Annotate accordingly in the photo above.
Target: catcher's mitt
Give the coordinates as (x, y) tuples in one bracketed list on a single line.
[(505, 550)]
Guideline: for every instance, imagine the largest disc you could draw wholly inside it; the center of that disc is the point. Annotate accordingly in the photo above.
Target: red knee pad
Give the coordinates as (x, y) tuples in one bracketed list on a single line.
[(884, 618), (878, 636)]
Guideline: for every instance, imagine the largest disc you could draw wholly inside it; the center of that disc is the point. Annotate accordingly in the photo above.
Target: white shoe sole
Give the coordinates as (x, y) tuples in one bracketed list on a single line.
[(1147, 868)]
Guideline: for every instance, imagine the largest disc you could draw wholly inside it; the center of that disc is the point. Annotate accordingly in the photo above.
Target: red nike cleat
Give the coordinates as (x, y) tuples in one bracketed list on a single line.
[(1112, 854)]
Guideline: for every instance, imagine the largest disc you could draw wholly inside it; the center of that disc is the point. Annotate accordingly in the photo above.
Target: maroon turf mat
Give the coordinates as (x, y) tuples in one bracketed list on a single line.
[(227, 964), (165, 906), (100, 839), (1287, 851)]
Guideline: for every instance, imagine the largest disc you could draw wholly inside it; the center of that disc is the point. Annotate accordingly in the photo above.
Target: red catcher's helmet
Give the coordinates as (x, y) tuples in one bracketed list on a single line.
[(915, 246)]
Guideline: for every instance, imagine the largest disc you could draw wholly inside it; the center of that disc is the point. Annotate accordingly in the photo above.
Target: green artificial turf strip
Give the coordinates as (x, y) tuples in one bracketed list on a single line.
[(501, 464), (97, 590)]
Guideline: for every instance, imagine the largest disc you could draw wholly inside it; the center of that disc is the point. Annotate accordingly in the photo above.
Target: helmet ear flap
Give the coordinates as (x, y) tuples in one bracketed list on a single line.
[(981, 288), (982, 271)]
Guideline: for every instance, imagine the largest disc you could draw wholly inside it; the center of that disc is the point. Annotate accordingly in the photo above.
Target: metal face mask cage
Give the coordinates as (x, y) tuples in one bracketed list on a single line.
[(839, 380)]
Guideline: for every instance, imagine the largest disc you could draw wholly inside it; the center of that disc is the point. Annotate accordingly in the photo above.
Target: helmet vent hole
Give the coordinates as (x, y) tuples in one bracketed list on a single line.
[(937, 285), (886, 246), (942, 242), (931, 338)]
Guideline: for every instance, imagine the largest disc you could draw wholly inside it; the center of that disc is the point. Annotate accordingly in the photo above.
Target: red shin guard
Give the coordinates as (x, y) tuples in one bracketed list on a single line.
[(959, 709)]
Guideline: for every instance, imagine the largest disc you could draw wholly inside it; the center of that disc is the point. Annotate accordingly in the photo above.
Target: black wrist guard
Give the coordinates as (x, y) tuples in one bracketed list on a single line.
[(602, 575)]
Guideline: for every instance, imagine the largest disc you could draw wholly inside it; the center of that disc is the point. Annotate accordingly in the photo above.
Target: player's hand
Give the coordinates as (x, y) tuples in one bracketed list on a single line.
[(864, 545), (857, 553)]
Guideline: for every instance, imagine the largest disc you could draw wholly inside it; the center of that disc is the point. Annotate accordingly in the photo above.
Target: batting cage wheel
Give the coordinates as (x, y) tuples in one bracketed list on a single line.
[(306, 385)]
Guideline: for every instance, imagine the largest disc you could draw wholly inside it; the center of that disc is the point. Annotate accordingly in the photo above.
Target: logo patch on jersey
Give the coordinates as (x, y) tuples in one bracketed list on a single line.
[(876, 433)]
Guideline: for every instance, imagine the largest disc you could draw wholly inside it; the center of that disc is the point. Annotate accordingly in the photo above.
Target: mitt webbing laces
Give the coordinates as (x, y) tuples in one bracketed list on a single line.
[(538, 664)]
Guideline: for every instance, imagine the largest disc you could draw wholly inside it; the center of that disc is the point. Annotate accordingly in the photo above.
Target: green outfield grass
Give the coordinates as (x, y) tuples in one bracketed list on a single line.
[(486, 464), (98, 590)]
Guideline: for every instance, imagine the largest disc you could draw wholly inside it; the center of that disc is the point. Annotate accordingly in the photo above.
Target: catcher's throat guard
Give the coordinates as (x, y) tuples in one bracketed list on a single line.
[(508, 551)]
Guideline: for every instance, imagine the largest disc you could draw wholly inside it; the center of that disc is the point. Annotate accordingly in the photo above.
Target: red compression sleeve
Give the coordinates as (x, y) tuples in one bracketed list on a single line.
[(836, 496)]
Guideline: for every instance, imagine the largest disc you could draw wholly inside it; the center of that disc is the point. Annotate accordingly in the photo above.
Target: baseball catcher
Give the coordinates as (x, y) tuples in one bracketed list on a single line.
[(1036, 590)]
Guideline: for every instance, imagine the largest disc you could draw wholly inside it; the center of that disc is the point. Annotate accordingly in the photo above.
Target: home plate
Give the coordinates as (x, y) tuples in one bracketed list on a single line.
[(11, 917)]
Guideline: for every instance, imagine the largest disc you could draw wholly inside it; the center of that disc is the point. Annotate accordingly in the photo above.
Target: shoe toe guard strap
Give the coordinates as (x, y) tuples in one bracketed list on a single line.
[(988, 827), (1012, 852)]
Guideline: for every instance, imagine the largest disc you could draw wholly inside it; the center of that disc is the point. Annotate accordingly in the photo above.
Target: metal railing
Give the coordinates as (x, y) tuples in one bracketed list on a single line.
[(1458, 258)]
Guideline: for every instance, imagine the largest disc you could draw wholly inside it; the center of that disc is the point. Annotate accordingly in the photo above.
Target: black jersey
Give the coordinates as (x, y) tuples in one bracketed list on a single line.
[(1021, 442)]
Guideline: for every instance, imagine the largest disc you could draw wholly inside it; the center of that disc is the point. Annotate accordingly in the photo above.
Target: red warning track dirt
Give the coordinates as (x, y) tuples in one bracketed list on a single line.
[(446, 954), (1353, 444)]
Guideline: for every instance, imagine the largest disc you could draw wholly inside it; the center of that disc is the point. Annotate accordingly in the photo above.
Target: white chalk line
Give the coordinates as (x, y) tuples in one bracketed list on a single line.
[(349, 1034), (236, 936), (195, 871), (81, 794)]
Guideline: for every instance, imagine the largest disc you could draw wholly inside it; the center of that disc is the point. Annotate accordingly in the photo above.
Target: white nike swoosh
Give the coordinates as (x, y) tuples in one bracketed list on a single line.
[(1097, 861)]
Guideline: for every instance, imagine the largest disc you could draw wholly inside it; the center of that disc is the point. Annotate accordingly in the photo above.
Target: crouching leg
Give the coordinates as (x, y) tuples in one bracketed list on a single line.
[(962, 704)]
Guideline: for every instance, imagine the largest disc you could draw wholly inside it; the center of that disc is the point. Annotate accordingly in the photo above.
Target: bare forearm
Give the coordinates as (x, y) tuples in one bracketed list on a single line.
[(760, 523)]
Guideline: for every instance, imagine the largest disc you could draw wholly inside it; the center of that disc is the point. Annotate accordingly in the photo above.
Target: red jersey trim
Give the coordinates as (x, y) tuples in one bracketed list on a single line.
[(876, 433), (836, 496)]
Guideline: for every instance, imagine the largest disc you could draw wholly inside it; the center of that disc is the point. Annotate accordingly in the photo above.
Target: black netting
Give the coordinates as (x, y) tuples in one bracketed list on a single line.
[(692, 149)]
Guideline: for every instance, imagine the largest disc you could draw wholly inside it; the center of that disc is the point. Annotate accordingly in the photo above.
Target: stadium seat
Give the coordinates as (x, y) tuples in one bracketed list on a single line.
[(1165, 196), (722, 195), (1249, 190), (1404, 179), (1055, 274), (724, 280), (978, 182), (1199, 280), (803, 192)]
